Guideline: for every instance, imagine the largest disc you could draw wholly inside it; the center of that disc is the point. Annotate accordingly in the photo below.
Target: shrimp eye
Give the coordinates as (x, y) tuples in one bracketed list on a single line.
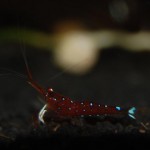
[(49, 93), (50, 90)]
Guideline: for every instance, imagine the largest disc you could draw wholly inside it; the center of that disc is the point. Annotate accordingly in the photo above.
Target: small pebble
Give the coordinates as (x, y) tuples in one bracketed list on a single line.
[(142, 131)]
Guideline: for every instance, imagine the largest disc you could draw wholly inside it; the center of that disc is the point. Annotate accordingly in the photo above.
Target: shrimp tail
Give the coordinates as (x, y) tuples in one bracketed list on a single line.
[(131, 112)]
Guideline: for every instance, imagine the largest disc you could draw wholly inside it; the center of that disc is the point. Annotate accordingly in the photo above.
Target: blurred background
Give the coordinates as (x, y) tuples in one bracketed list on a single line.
[(77, 31), (44, 15), (96, 50)]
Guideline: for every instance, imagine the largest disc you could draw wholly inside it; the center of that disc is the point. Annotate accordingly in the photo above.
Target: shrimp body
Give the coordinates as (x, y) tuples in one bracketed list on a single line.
[(66, 107)]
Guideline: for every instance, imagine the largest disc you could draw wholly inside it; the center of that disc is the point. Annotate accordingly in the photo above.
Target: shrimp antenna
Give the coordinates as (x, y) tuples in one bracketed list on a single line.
[(22, 46), (12, 72), (27, 66), (29, 75), (30, 79)]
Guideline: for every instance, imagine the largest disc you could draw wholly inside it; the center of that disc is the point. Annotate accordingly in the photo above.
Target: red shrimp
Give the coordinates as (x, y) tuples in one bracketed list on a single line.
[(63, 106)]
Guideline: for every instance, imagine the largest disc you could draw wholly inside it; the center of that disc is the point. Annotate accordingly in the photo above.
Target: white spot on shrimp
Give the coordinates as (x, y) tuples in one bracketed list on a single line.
[(91, 104), (105, 106), (84, 110), (63, 98), (54, 99), (71, 101), (46, 94), (99, 105), (69, 108), (82, 103)]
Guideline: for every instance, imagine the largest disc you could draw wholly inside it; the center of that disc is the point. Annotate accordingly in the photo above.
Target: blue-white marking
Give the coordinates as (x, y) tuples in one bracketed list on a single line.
[(131, 116), (118, 108), (131, 112)]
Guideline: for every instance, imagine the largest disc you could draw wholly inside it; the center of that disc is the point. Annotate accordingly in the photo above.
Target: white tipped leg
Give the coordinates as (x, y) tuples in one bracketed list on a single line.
[(42, 113)]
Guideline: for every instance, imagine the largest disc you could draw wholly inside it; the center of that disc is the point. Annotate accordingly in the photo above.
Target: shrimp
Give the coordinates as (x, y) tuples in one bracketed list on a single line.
[(64, 106)]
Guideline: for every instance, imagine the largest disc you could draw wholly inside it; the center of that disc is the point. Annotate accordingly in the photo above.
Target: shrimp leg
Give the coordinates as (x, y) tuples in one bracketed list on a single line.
[(42, 113)]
